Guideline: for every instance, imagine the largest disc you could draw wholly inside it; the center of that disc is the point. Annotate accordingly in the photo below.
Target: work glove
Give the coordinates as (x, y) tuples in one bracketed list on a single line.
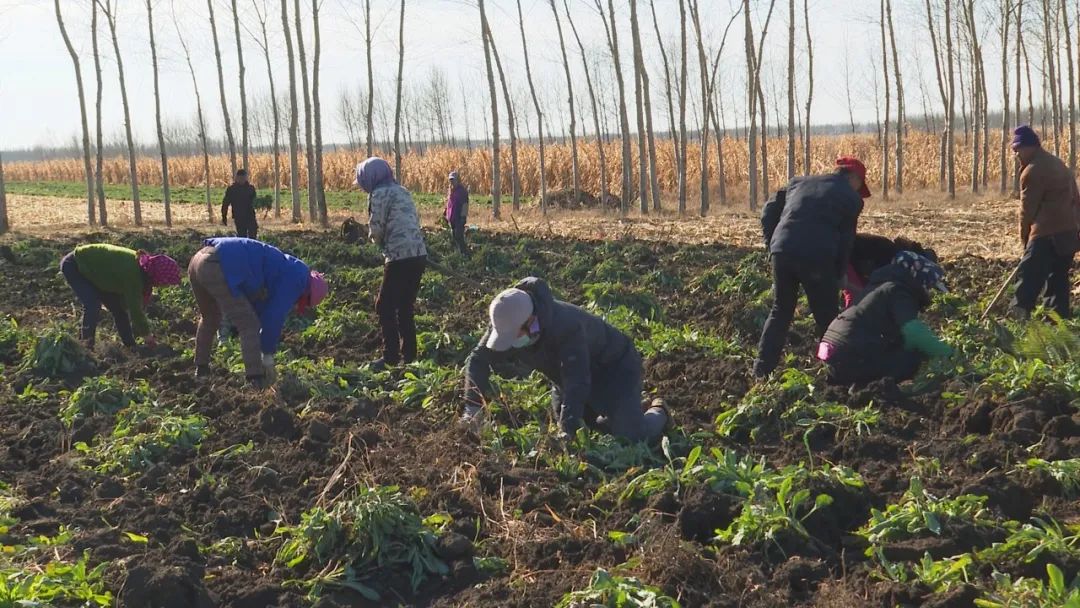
[(269, 372)]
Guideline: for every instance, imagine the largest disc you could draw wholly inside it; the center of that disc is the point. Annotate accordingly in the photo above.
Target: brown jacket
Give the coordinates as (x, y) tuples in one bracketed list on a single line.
[(1048, 198)]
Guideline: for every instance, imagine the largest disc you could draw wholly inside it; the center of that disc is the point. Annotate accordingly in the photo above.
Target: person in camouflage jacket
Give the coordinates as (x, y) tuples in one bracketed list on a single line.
[(394, 225)]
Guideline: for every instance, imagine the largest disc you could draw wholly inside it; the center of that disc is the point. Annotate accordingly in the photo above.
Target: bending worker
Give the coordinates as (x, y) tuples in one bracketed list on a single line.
[(120, 279), (881, 336), (256, 285), (595, 369), (809, 227)]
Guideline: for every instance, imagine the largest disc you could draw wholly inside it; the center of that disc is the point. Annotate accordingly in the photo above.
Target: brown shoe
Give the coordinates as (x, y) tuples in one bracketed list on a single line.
[(661, 404)]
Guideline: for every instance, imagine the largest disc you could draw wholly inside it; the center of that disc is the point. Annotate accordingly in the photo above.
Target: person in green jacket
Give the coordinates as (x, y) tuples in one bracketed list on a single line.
[(121, 280)]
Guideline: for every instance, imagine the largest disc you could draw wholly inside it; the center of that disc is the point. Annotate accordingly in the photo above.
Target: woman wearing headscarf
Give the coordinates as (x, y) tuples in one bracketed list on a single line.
[(120, 279), (395, 228), (457, 211), (255, 285)]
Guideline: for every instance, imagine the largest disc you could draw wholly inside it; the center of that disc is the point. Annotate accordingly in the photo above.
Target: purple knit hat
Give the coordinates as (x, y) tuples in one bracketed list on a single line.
[(1024, 136)]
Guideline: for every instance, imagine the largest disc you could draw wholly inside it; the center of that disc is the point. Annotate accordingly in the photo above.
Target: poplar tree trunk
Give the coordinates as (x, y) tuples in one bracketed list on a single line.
[(888, 101), (320, 195), (639, 102), (950, 119), (1048, 51), (901, 112), (673, 134), (157, 118), (202, 123), (110, 17), (294, 118), (265, 45), (496, 183), (89, 172), (5, 225), (1006, 10), (511, 120), (99, 152), (791, 91), (939, 62), (397, 103), (810, 87), (595, 111), (683, 160), (751, 88), (221, 90), (244, 147), (309, 144), (570, 104), (539, 113), (611, 31), (1072, 86), (703, 70), (370, 122), (1019, 91)]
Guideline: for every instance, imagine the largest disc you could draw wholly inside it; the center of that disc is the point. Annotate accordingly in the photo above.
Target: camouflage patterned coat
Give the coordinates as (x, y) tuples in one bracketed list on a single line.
[(395, 224)]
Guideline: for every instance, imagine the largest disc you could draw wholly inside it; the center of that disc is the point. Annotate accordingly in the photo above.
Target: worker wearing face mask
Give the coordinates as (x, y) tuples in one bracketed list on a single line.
[(595, 370)]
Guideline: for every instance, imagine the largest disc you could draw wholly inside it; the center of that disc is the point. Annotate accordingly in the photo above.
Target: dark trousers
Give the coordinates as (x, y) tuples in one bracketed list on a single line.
[(457, 230), (1043, 271), (819, 281), (247, 228), (92, 300), (899, 364), (395, 307)]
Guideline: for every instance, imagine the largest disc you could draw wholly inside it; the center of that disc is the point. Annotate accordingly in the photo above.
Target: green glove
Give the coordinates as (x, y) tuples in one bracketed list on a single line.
[(919, 337)]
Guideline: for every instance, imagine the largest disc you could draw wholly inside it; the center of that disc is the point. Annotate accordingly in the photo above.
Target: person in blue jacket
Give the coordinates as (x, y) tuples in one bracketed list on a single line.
[(255, 285)]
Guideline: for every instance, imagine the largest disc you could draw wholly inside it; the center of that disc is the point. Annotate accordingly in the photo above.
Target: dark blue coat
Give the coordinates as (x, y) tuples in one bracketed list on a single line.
[(813, 218), (271, 280)]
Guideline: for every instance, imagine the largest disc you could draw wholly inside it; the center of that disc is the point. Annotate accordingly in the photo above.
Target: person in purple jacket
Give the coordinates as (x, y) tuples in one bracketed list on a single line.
[(457, 211), (255, 285)]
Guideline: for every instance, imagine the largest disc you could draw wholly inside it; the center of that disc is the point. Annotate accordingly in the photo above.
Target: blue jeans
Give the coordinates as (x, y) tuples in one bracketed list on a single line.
[(92, 300)]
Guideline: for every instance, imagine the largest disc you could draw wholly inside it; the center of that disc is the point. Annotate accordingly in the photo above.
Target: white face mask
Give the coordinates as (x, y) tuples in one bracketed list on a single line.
[(523, 341)]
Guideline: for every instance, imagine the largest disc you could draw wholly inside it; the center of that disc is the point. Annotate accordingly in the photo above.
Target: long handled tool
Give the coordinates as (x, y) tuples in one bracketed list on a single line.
[(999, 293)]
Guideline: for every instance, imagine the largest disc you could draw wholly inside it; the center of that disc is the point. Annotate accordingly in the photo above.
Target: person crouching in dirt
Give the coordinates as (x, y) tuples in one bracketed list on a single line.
[(881, 336), (457, 211), (870, 252), (241, 197), (394, 225), (121, 280), (809, 227), (255, 285), (595, 369), (1048, 227)]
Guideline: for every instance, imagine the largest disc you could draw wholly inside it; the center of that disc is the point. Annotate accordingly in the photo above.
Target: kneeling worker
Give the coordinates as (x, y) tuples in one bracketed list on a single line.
[(881, 336), (595, 369)]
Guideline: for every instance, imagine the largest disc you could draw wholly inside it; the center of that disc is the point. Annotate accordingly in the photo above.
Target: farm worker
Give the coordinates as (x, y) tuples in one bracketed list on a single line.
[(870, 252), (256, 285), (394, 225), (120, 279), (457, 211), (809, 227), (1048, 226), (241, 197), (595, 369), (881, 336)]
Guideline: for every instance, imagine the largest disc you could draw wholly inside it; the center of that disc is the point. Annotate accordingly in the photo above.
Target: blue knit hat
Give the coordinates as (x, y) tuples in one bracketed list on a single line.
[(926, 272), (1024, 136)]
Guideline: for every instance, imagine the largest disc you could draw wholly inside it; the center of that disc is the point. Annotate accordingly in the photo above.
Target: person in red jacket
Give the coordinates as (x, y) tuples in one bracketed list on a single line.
[(121, 280)]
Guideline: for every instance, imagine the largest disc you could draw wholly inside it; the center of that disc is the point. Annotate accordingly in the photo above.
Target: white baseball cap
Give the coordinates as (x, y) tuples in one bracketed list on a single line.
[(508, 311)]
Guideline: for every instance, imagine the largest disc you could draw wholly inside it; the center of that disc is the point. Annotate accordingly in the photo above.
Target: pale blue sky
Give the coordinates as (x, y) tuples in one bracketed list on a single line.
[(39, 106)]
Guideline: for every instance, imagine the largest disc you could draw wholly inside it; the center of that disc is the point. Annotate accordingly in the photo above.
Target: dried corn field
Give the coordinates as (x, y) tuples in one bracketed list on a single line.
[(425, 171)]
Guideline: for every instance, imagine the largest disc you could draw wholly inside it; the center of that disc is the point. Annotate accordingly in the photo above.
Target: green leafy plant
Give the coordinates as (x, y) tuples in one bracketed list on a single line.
[(919, 511), (769, 512), (613, 295), (103, 395), (57, 583), (1033, 593), (1042, 537), (1066, 472), (611, 591), (10, 339), (937, 575), (56, 353), (425, 385), (794, 389), (142, 437)]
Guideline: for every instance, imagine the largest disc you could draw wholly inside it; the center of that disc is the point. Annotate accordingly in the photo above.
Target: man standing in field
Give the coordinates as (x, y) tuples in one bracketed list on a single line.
[(457, 211), (1048, 226), (241, 197), (809, 228)]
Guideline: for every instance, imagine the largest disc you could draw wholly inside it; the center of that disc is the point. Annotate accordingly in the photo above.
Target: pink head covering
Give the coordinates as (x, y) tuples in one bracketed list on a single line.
[(316, 292), (160, 270)]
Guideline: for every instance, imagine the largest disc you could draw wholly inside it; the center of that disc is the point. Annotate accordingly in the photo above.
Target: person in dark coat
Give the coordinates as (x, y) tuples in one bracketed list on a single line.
[(881, 336), (1048, 227), (457, 211), (809, 228), (241, 197), (595, 369), (870, 252)]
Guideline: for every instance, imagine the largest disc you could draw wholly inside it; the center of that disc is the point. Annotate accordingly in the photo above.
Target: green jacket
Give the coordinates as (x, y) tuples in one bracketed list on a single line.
[(114, 269)]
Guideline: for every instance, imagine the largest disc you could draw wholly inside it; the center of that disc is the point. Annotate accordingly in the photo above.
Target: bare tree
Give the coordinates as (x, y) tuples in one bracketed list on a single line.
[(901, 111), (496, 183), (82, 113), (612, 37), (221, 90), (751, 137), (1019, 45), (1072, 84), (316, 107), (309, 142), (243, 90), (5, 225), (539, 113), (511, 120), (370, 78), (639, 102), (397, 105), (110, 15), (99, 178), (157, 118), (570, 104), (199, 116), (703, 69), (264, 43), (810, 86), (1049, 50), (942, 80), (682, 108), (759, 60), (643, 75), (673, 134), (595, 112), (294, 118), (791, 91), (888, 100), (847, 91)]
